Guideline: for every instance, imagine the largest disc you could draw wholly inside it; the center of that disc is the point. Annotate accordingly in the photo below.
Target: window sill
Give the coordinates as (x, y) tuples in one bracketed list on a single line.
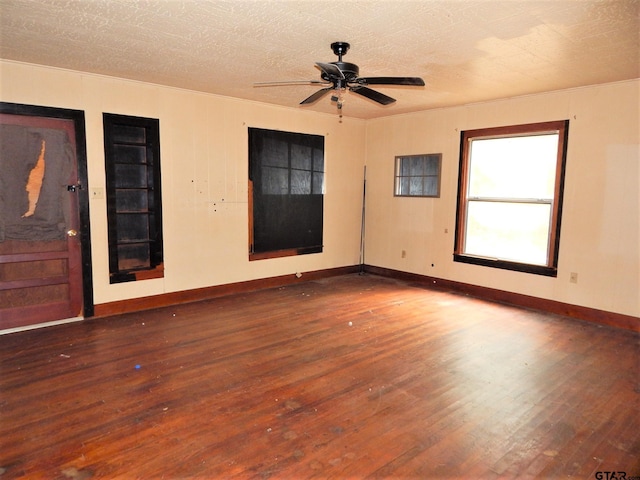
[(507, 265), (290, 252), (121, 277)]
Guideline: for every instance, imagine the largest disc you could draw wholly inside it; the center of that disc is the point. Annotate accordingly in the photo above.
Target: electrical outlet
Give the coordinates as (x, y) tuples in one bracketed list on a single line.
[(573, 277)]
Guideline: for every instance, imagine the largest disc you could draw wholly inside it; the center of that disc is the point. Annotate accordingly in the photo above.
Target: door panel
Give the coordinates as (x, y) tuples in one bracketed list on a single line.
[(41, 275)]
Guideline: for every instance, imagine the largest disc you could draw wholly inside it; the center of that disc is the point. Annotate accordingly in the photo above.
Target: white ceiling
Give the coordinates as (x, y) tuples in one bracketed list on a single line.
[(466, 51)]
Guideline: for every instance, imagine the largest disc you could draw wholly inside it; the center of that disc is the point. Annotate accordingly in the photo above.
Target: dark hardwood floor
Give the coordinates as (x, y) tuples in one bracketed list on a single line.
[(348, 377)]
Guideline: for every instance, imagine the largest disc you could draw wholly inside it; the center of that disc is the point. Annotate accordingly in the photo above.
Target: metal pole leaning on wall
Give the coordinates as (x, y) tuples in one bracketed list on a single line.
[(364, 198)]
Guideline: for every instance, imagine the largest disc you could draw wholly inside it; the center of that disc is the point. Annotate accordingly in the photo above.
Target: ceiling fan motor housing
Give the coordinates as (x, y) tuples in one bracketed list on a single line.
[(349, 70)]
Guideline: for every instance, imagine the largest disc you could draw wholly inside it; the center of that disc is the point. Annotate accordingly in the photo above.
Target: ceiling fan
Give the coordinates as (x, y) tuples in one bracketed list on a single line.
[(342, 76)]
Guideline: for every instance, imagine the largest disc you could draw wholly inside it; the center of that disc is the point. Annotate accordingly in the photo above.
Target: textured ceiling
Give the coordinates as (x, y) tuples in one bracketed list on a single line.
[(466, 51)]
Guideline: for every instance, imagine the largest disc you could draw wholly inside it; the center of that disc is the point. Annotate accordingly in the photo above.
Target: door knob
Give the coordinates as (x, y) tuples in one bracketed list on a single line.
[(72, 233)]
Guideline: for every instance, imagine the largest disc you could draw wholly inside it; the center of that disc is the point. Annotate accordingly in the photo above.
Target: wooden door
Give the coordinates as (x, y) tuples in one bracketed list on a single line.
[(41, 268)]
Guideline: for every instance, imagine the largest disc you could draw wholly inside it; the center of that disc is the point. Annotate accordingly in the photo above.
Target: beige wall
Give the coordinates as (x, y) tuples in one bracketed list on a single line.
[(203, 141), (599, 234), (204, 177)]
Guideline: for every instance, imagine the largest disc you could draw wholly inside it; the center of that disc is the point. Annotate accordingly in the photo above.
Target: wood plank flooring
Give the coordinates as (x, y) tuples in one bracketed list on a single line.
[(348, 377)]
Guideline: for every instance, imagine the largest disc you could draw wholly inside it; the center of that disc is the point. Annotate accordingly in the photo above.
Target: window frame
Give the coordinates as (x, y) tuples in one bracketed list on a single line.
[(151, 215), (561, 127), (398, 175), (312, 141)]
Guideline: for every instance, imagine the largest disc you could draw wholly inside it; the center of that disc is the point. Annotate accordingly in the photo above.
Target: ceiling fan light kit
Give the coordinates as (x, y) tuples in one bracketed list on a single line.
[(341, 77)]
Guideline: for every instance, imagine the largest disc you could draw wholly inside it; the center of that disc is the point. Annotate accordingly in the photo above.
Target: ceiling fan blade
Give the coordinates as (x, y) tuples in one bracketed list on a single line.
[(291, 82), (373, 95), (413, 81), (330, 69), (316, 96)]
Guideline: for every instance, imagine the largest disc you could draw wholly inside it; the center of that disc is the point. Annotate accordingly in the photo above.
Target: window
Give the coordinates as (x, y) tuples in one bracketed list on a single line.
[(286, 192), (418, 175), (134, 214), (510, 196)]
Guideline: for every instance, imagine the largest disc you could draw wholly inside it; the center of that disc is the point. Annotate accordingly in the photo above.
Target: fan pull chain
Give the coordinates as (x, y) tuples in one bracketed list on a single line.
[(340, 101)]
